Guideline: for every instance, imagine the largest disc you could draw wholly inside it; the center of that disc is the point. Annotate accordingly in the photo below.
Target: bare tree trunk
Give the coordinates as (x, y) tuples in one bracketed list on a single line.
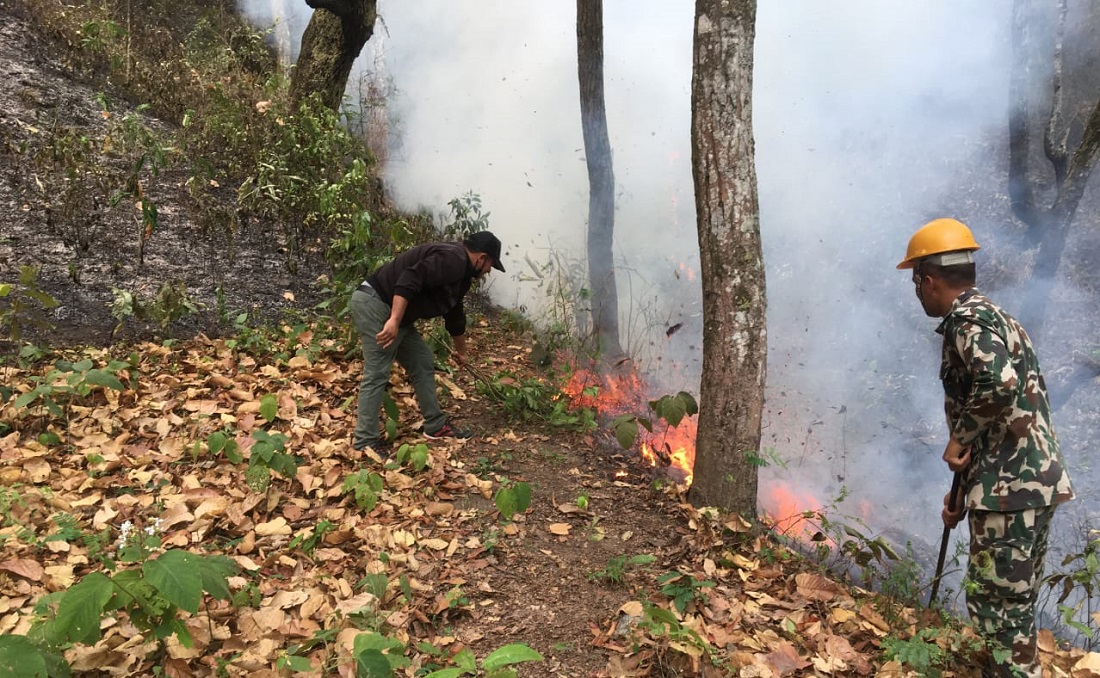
[(1047, 226), (332, 41), (601, 181), (728, 219)]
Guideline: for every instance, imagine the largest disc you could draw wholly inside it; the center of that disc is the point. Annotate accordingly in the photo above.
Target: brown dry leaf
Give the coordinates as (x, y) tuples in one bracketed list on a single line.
[(785, 660), (560, 529), (350, 605), (38, 470), (273, 527), (23, 567), (435, 508), (815, 587), (1087, 667), (841, 653)]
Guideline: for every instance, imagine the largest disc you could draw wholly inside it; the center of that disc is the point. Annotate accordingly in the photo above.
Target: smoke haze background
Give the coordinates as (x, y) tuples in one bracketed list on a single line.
[(870, 119)]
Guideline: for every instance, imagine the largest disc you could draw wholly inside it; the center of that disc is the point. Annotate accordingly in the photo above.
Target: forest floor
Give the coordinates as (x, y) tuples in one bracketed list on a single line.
[(609, 572)]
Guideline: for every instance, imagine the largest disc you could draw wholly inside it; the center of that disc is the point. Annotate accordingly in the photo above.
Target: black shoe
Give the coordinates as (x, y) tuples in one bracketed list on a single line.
[(382, 448), (448, 430)]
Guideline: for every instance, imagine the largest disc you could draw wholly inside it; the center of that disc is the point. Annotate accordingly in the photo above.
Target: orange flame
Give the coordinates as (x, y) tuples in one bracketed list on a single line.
[(792, 513), (611, 395)]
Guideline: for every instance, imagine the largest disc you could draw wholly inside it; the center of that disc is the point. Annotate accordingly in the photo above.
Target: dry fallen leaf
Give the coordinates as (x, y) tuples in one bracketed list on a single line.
[(560, 529)]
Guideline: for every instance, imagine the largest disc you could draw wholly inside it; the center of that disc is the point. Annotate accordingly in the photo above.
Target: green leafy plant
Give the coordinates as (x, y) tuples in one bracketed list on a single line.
[(671, 408), (219, 442), (615, 572), (20, 657), (365, 487), (152, 593), (920, 652), (171, 303), (466, 217), (70, 383), (683, 588), (268, 454), (661, 623), (377, 655), (416, 456), (308, 541), (295, 659), (22, 305), (496, 665), (1083, 577), (512, 498), (536, 398)]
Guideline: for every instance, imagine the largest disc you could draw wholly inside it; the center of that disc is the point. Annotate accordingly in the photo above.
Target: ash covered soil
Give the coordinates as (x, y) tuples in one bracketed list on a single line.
[(85, 247)]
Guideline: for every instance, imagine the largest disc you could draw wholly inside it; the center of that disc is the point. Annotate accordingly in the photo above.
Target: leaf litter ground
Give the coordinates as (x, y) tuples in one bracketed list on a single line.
[(458, 574)]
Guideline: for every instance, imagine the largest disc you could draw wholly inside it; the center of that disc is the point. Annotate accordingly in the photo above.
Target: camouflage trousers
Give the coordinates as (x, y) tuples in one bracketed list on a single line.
[(1007, 551)]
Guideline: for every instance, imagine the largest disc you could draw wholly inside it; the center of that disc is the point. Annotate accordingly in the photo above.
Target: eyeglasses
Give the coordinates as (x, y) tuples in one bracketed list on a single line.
[(917, 277)]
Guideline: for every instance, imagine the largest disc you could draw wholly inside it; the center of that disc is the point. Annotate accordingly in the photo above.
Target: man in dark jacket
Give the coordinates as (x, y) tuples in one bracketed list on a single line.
[(1000, 439), (427, 281)]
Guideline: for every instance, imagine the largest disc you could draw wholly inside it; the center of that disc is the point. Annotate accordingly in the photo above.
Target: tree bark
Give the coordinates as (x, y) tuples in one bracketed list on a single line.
[(333, 39), (1048, 226), (731, 261), (601, 181)]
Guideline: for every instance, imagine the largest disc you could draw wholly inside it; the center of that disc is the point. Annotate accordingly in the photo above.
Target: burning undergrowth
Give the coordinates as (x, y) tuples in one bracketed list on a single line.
[(623, 399), (662, 430)]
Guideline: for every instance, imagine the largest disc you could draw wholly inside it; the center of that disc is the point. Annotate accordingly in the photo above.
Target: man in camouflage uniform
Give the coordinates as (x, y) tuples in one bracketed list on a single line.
[(1001, 441)]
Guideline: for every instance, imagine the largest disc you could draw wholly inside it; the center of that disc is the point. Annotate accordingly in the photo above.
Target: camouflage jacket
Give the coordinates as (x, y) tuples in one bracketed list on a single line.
[(996, 403)]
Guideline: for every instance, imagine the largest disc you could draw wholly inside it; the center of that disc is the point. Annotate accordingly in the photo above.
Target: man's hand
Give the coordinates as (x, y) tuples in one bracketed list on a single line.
[(459, 354), (952, 518), (388, 334), (956, 456)]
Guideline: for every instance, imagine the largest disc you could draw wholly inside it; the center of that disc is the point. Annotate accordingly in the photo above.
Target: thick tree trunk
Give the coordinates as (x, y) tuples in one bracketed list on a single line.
[(731, 261), (601, 181), (332, 41), (1048, 226)]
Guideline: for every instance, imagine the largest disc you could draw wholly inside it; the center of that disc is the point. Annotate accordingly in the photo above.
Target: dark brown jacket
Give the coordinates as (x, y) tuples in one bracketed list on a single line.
[(434, 278)]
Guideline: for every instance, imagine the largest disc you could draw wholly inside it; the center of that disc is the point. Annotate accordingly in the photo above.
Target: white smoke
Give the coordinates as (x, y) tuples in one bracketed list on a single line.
[(870, 119)]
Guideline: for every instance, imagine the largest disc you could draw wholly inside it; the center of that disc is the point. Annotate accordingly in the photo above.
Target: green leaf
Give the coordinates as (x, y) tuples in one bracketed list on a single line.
[(372, 664), (626, 430), (79, 611), (5, 290), (269, 407), (29, 397), (216, 442), (506, 502), (176, 576), (690, 406), (19, 658), (300, 664), (102, 378), (215, 572), (510, 654), (447, 673), (523, 496), (465, 659)]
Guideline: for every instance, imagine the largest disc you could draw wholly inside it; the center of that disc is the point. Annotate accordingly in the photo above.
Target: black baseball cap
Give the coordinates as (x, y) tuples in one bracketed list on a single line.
[(486, 243)]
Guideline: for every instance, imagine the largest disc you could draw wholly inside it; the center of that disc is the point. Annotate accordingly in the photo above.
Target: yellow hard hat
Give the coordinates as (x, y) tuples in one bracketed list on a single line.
[(936, 237)]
